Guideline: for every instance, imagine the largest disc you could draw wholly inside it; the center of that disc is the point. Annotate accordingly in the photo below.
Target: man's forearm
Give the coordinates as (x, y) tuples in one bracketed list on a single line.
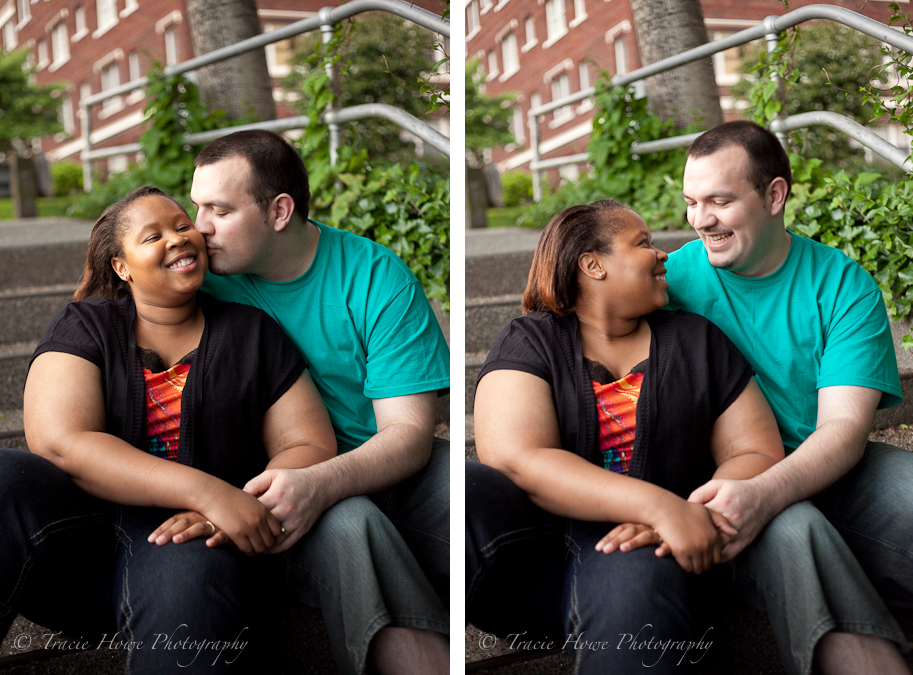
[(825, 457), (387, 458)]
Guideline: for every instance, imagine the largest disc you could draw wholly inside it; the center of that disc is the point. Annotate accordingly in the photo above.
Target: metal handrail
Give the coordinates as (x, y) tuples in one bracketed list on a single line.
[(770, 28), (325, 17)]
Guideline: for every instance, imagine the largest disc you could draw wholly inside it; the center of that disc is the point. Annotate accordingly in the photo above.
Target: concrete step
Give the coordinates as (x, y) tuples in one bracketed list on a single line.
[(42, 251), (474, 363), (27, 312), (485, 317)]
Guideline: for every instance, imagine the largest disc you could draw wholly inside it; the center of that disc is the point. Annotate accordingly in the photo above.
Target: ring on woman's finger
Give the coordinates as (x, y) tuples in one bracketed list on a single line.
[(284, 531), (659, 538), (213, 527)]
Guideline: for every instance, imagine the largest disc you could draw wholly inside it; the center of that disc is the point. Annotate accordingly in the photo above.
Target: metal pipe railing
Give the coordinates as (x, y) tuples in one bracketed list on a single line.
[(770, 30), (324, 21)]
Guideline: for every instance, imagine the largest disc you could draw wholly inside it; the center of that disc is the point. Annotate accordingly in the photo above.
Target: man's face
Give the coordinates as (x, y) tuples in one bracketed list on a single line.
[(737, 225), (236, 230)]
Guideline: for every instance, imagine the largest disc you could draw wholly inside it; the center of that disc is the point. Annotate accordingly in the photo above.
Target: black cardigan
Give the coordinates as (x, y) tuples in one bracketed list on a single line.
[(693, 374), (244, 364)]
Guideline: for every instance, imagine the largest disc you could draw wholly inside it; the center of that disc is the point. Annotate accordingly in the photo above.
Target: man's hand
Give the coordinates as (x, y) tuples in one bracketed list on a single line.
[(294, 497), (742, 504), (694, 534)]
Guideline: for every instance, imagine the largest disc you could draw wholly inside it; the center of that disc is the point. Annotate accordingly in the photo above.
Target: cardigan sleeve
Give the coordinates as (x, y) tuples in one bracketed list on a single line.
[(281, 364), (71, 332), (519, 347), (729, 370)]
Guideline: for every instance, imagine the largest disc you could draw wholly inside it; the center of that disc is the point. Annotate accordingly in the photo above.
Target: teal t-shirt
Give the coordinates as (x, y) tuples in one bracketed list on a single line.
[(818, 321), (363, 323)]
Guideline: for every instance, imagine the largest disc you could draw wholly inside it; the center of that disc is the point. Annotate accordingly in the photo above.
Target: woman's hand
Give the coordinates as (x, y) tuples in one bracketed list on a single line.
[(243, 519), (696, 536), (185, 526), (629, 536)]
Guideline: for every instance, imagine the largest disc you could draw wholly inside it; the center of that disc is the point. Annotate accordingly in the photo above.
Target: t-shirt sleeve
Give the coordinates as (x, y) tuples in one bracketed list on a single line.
[(515, 349), (281, 364), (729, 370), (406, 350), (70, 333), (858, 347)]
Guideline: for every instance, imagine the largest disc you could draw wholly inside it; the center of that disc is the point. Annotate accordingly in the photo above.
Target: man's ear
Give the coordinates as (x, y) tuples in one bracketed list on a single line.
[(283, 207), (778, 190), (120, 269)]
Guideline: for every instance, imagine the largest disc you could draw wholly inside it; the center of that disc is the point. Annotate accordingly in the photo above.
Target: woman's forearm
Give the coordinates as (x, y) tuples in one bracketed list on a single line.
[(745, 466), (300, 457), (112, 469), (565, 484)]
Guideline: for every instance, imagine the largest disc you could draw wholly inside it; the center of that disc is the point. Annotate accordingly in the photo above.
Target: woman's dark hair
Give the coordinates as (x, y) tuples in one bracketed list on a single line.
[(98, 276), (552, 285)]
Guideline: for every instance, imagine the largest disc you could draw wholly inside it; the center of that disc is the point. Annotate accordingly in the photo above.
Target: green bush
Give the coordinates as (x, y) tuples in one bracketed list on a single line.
[(517, 187), (67, 178)]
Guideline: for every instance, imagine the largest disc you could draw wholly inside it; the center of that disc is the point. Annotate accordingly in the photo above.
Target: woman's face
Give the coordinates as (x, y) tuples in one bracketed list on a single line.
[(164, 258), (634, 272)]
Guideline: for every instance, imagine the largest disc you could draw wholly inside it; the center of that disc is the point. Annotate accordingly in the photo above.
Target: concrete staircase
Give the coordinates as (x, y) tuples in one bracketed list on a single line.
[(497, 266), (40, 264)]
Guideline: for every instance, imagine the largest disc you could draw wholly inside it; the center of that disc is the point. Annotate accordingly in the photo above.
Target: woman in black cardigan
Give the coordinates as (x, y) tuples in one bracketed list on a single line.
[(149, 407), (596, 415)]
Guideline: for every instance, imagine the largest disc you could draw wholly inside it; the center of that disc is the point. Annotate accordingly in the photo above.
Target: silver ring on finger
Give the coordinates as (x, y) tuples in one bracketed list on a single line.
[(284, 531), (212, 527)]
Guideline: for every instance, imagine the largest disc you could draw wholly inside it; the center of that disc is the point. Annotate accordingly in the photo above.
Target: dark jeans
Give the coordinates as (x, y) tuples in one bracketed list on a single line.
[(80, 565), (533, 575)]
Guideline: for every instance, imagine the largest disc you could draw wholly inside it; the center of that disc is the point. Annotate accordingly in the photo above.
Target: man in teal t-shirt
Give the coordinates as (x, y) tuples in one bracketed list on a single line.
[(813, 325), (377, 566)]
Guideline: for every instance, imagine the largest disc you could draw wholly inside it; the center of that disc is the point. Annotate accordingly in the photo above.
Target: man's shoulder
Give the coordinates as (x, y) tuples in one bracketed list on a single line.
[(351, 244)]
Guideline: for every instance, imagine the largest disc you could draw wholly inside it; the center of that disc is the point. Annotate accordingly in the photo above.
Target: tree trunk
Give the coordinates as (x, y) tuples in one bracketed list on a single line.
[(242, 82), (476, 198), (23, 186), (688, 93)]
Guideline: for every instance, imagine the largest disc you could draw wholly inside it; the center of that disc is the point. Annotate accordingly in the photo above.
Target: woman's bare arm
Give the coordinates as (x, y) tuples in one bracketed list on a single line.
[(64, 415), (297, 431), (517, 433), (745, 440)]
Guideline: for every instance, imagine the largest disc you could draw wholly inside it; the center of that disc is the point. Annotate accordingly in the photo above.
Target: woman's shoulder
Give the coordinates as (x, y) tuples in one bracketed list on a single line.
[(680, 321)]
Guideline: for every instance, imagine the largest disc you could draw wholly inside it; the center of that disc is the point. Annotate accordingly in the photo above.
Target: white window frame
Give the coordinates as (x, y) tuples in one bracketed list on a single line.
[(172, 48), (134, 72), (60, 45), (82, 28), (111, 106), (510, 56), (566, 113), (493, 71), (519, 124), (24, 12), (41, 49), (473, 20), (10, 34), (486, 6), (500, 5), (583, 72), (105, 10), (130, 7), (67, 118), (555, 21), (529, 27), (580, 14)]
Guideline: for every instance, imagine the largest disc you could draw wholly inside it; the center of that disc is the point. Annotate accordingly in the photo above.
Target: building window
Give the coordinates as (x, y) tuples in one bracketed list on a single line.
[(555, 21), (129, 8), (118, 164), (110, 78), (67, 119), (584, 75), (60, 41), (134, 73), (561, 87), (81, 28), (486, 6), (517, 127), (727, 64), (10, 35), (510, 55), (107, 15), (43, 59), (25, 11), (579, 13), (172, 55), (530, 25), (279, 54), (473, 24), (493, 71), (621, 56)]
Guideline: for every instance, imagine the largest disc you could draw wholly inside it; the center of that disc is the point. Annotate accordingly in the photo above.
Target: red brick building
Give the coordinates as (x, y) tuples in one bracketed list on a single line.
[(546, 49), (93, 45)]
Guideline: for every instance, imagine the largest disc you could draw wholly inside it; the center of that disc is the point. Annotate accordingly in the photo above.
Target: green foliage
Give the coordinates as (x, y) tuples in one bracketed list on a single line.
[(896, 102), (487, 117), (651, 184), (174, 109), (825, 66), (379, 60), (406, 208), (67, 178), (517, 187), (27, 110)]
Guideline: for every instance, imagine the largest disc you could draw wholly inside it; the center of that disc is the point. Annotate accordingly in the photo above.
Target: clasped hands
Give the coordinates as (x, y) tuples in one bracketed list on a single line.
[(273, 511), (717, 522)]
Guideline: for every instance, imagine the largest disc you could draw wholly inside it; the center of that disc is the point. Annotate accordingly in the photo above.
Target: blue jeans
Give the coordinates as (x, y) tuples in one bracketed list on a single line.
[(538, 577), (81, 565), (820, 566), (379, 561)]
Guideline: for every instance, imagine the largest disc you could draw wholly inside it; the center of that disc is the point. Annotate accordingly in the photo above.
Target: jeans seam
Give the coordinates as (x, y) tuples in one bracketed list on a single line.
[(874, 540), (50, 528)]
